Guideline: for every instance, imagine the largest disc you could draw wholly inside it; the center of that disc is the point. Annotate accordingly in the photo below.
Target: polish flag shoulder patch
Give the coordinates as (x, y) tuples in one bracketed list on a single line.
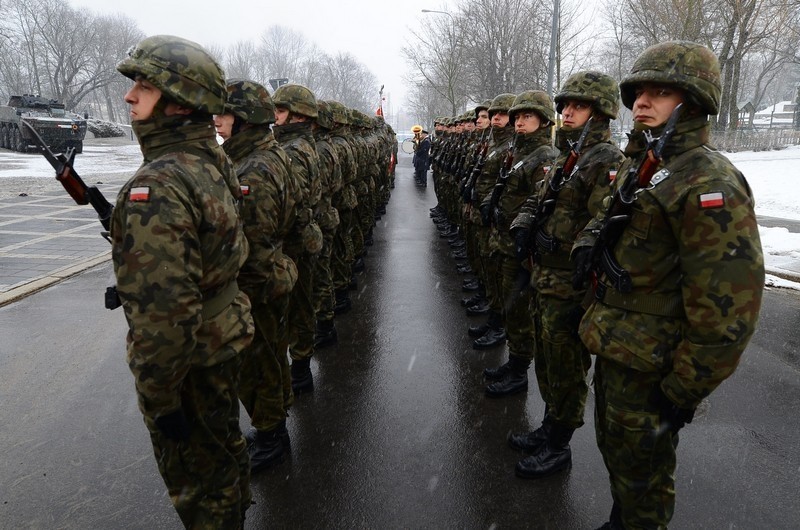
[(245, 189), (715, 199), (139, 194), (612, 175), (547, 169)]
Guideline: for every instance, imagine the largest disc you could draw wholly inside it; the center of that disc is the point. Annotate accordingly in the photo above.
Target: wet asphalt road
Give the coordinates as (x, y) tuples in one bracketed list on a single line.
[(398, 433)]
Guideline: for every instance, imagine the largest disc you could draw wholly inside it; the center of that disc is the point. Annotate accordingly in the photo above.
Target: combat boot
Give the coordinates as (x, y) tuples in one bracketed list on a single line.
[(479, 330), (343, 303), (480, 308), (470, 285), (530, 442), (496, 374), (555, 456), (326, 334), (514, 381), (494, 336), (302, 380), (470, 301), (459, 254), (266, 451)]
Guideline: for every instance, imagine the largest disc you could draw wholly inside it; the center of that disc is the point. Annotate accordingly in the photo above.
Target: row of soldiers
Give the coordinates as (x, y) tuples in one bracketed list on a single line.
[(314, 176), (231, 259), (648, 259)]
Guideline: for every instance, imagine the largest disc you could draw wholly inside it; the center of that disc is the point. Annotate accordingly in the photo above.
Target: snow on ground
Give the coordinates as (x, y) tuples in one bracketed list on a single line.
[(774, 177)]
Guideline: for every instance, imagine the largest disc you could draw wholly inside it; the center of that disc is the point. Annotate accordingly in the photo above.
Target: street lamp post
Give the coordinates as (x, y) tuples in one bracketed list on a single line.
[(453, 27)]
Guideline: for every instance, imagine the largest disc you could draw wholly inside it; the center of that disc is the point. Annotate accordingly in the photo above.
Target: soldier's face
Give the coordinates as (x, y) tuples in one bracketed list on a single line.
[(281, 115), (469, 126), (499, 119), (654, 103), (142, 97), (576, 113), (224, 124), (527, 122), (483, 120)]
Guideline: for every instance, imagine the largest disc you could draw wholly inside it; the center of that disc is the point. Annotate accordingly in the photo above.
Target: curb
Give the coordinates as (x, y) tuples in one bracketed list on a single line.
[(785, 274), (56, 276)]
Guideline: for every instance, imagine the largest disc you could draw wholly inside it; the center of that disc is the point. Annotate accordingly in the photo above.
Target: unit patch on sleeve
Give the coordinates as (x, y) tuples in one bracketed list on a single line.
[(245, 189), (139, 194), (715, 199)]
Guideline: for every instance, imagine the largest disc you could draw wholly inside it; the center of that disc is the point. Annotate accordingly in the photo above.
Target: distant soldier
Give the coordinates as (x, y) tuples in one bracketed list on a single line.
[(679, 289), (547, 227), (269, 194), (178, 246), (295, 111)]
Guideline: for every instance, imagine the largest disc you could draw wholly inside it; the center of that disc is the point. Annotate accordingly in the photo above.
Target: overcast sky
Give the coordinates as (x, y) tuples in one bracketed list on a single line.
[(373, 31)]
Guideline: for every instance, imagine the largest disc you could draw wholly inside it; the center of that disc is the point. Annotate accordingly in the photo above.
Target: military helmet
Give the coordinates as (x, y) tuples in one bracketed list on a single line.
[(483, 106), (249, 101), (470, 115), (537, 101), (181, 69), (324, 115), (297, 98), (501, 103), (595, 87), (340, 114), (687, 65)]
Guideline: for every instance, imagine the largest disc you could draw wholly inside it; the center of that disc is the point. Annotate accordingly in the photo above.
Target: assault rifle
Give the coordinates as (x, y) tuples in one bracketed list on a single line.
[(618, 215), (478, 161), (80, 193), (500, 185), (547, 205)]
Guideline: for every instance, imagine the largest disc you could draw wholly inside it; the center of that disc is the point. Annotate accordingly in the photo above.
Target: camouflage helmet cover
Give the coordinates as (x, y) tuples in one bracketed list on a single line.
[(324, 115), (297, 98), (685, 64), (339, 111), (250, 101), (501, 103), (181, 69), (483, 106), (537, 101), (595, 87)]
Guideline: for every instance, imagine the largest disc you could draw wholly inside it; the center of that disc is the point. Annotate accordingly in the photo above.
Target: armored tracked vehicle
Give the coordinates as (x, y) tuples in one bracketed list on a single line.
[(57, 127)]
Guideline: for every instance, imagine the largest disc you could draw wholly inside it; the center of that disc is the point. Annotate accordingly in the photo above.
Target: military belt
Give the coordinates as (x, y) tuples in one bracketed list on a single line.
[(217, 303), (670, 306), (554, 261)]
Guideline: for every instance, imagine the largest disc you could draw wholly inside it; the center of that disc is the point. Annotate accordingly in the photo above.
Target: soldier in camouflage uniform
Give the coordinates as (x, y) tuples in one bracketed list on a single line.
[(269, 193), (533, 154), (295, 110), (692, 253), (492, 333), (178, 245), (562, 361), (330, 173)]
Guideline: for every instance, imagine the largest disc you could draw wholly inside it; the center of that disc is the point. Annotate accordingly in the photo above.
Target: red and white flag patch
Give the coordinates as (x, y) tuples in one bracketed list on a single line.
[(714, 199), (245, 189), (546, 169), (612, 175), (139, 194)]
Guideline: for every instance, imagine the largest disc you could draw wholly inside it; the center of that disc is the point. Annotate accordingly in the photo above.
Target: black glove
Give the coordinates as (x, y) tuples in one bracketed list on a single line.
[(486, 214), (522, 243), (580, 258), (174, 426), (671, 416)]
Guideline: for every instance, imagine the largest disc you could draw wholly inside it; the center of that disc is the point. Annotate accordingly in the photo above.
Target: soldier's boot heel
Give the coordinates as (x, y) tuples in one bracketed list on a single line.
[(530, 442), (302, 380), (555, 456), (267, 450)]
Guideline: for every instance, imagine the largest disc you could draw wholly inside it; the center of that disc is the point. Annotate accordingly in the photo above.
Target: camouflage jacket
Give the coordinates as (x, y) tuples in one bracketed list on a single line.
[(495, 157), (694, 255), (346, 198), (177, 248), (578, 201), (269, 197), (296, 139), (533, 156), (330, 173)]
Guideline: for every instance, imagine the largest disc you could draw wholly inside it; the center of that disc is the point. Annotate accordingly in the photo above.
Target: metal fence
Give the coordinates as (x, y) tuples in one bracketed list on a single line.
[(754, 139)]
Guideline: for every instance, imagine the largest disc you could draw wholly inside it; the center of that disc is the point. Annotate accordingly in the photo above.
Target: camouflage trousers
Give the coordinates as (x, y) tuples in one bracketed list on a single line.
[(301, 317), (265, 388), (563, 361), (323, 279), (343, 254), (364, 218), (489, 270), (640, 459), (515, 296), (207, 476)]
